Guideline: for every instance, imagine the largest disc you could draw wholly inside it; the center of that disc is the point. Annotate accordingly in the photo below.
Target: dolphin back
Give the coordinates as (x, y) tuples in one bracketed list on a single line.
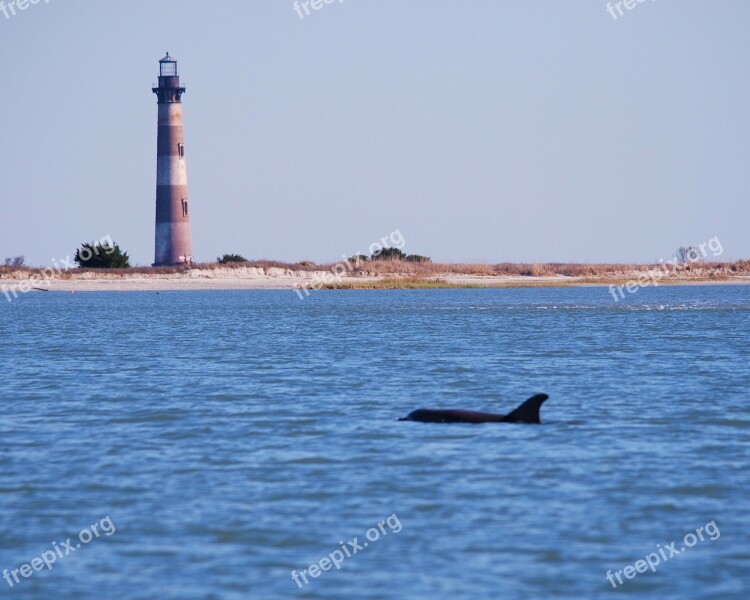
[(528, 412)]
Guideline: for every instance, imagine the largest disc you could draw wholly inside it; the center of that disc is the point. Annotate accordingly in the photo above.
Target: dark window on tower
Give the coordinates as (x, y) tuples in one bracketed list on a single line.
[(181, 150), (184, 208)]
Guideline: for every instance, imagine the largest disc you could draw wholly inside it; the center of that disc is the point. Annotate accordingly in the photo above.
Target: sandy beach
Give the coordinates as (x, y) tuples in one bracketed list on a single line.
[(274, 278)]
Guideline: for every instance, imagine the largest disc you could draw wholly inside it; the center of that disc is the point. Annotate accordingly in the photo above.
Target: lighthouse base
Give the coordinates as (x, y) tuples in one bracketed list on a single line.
[(173, 244)]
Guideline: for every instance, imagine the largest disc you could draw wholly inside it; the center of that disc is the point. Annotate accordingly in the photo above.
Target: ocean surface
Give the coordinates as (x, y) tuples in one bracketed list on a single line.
[(220, 441)]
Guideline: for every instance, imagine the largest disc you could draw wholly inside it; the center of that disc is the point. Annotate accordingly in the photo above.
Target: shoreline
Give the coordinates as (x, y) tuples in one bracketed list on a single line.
[(311, 281)]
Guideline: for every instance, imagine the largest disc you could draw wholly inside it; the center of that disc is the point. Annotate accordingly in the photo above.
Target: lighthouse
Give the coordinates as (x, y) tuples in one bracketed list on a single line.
[(173, 244)]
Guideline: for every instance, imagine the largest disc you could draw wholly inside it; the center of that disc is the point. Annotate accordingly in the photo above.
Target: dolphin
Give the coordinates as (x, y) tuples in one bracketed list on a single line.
[(528, 412)]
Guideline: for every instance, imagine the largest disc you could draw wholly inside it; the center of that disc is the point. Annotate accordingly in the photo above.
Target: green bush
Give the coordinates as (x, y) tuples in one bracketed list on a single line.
[(389, 254), (101, 255), (231, 258), (396, 254)]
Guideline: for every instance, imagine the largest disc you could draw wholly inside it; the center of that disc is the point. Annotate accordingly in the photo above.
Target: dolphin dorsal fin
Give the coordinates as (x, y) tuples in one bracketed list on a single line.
[(528, 412)]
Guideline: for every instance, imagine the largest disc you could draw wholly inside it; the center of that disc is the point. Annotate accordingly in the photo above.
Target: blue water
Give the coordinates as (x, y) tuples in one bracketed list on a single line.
[(232, 437)]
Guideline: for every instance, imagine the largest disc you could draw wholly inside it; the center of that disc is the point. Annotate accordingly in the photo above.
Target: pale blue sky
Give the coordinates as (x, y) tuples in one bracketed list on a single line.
[(482, 130)]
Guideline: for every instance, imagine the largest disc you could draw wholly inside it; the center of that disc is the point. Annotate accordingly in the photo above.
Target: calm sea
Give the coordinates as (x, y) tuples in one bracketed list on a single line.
[(221, 440)]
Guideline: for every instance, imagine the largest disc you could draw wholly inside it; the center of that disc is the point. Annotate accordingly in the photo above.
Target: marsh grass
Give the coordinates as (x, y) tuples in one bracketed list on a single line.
[(425, 275), (385, 268)]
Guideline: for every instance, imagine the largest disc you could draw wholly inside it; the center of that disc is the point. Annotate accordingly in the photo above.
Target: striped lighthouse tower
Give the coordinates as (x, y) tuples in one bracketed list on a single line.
[(173, 241)]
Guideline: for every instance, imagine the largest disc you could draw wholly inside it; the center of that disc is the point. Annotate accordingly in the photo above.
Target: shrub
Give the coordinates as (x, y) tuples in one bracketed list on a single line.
[(389, 254), (102, 255), (16, 261), (395, 254), (231, 258)]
